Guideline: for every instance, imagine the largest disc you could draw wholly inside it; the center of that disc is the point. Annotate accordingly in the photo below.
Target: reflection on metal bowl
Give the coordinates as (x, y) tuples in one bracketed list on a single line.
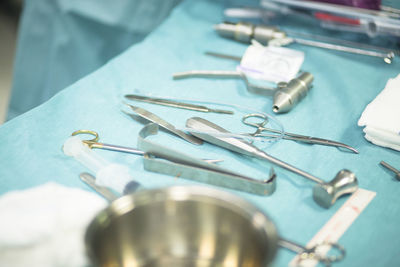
[(181, 226)]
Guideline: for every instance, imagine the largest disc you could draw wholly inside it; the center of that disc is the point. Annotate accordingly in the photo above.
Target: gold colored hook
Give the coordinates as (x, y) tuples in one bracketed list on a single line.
[(91, 143)]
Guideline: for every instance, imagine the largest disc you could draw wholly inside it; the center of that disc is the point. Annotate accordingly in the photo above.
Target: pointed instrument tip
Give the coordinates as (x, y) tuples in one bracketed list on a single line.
[(352, 149)]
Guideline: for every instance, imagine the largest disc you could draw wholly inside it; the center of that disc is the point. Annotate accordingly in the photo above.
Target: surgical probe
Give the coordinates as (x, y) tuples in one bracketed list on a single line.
[(393, 169), (286, 95), (93, 143), (176, 104), (245, 32)]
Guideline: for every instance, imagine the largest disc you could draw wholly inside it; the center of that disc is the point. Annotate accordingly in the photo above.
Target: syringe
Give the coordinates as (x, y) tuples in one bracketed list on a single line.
[(113, 175)]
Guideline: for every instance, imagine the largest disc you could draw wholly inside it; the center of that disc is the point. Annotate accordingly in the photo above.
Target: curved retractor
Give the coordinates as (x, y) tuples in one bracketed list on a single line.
[(260, 89), (164, 160)]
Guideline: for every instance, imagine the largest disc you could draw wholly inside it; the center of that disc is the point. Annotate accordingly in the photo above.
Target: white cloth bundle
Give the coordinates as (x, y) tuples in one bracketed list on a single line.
[(45, 226), (382, 117)]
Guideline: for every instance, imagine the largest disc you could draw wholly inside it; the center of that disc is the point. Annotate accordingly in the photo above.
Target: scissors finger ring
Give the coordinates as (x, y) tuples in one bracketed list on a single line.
[(260, 124), (89, 142), (327, 260)]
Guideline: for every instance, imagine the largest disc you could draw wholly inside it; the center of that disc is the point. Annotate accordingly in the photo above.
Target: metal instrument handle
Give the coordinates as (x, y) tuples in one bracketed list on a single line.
[(207, 74), (175, 104), (92, 143), (164, 124), (90, 180)]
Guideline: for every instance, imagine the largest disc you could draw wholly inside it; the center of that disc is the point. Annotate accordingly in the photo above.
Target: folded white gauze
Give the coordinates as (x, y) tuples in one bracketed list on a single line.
[(45, 226), (382, 117)]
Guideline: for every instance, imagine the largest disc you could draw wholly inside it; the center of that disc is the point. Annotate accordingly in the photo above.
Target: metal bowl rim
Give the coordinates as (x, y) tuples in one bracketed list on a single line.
[(221, 198)]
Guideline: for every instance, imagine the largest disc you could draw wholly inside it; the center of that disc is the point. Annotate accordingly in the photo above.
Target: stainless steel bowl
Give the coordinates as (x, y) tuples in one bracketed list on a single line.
[(181, 226)]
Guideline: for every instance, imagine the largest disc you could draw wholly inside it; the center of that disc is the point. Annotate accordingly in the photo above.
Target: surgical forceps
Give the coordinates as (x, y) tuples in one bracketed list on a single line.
[(287, 136)]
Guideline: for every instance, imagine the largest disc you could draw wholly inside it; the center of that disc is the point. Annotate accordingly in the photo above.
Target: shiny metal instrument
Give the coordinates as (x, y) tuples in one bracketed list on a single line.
[(178, 164), (266, 90), (224, 56), (391, 168), (286, 95), (291, 93), (263, 131), (324, 193), (245, 32), (90, 180), (389, 52), (104, 191), (161, 159), (199, 226), (147, 115), (93, 143), (176, 104), (387, 57)]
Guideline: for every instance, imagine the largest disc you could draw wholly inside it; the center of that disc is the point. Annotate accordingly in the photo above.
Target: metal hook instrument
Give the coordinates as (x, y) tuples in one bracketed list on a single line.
[(176, 104), (93, 143), (161, 159), (287, 136), (226, 74), (391, 168), (245, 32), (286, 95)]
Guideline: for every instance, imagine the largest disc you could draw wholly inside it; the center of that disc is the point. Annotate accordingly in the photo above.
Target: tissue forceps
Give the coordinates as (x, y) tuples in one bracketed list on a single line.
[(288, 136)]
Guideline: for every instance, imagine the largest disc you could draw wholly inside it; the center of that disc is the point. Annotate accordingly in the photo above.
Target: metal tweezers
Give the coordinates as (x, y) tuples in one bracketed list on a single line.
[(161, 159)]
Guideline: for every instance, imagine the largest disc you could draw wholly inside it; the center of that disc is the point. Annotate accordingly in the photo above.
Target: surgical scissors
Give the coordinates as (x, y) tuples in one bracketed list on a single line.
[(287, 136)]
